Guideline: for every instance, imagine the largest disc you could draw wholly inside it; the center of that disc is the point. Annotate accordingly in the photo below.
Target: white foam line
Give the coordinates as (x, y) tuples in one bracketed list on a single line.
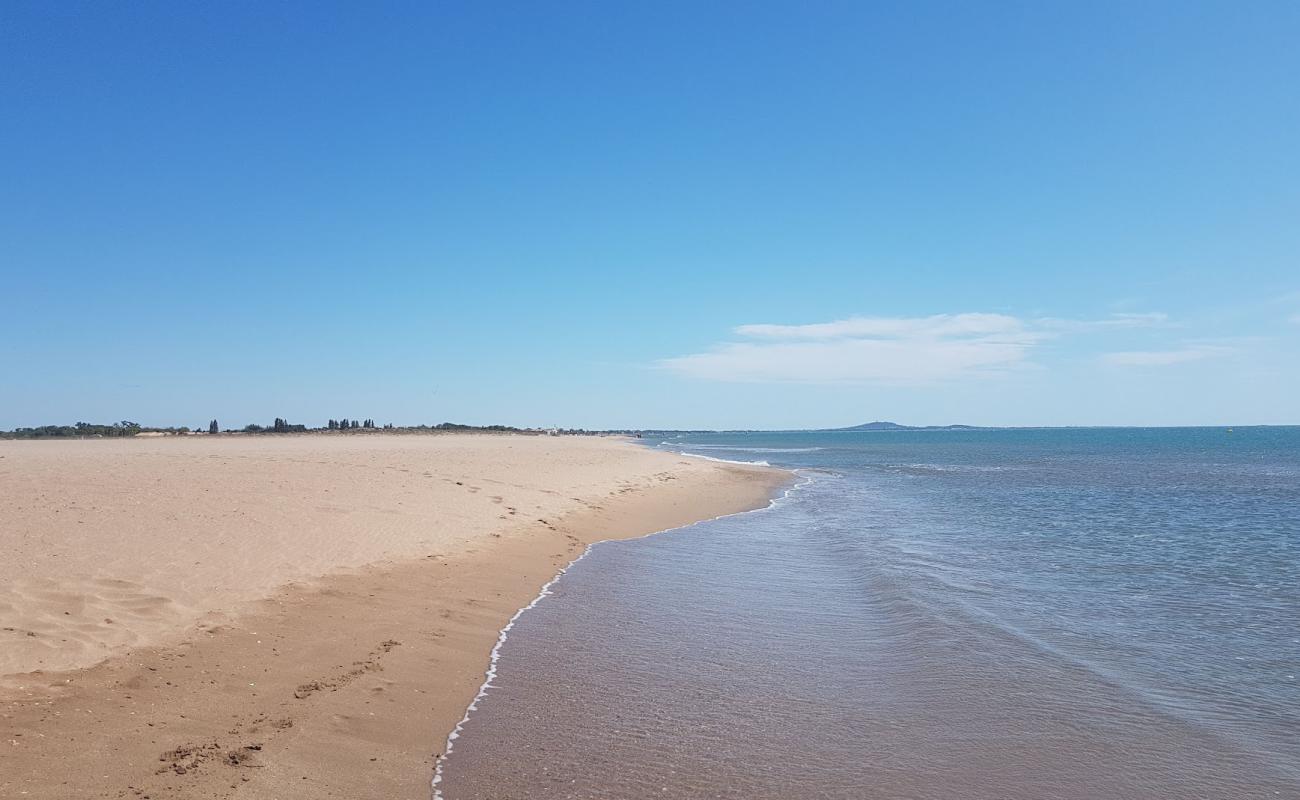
[(726, 460), (546, 590)]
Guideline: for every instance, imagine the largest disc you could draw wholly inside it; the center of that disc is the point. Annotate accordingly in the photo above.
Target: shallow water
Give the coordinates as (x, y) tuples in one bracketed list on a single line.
[(985, 614)]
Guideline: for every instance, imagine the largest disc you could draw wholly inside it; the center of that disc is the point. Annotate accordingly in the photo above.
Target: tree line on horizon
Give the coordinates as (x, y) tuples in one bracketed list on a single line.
[(126, 428), (116, 429), (279, 426), (347, 424)]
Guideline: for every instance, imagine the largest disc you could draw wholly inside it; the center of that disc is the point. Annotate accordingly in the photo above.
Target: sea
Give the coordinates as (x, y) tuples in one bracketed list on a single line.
[(1018, 614)]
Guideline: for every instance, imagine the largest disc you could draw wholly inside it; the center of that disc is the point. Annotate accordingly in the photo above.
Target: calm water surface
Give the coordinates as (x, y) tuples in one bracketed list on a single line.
[(987, 614)]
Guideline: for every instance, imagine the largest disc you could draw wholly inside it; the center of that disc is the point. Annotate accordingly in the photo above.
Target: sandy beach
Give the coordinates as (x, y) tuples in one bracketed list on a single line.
[(301, 616)]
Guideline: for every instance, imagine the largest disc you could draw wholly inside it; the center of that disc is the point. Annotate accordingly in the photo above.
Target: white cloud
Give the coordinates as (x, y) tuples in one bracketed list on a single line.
[(912, 350), (889, 327), (886, 350), (1160, 358), (1135, 320), (1148, 319)]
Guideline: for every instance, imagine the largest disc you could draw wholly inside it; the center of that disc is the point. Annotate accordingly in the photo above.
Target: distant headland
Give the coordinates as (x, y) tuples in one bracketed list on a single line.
[(894, 426)]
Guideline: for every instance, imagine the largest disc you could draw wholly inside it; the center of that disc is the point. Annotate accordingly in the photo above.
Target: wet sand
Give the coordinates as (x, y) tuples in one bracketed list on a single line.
[(248, 674)]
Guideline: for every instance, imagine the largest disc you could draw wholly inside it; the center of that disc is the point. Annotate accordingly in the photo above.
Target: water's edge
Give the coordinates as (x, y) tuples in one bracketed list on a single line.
[(799, 478)]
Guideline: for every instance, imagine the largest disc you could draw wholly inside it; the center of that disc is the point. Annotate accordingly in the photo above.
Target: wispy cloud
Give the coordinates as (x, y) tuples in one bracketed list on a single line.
[(902, 350), (1160, 358), (937, 325), (885, 350), (1148, 319)]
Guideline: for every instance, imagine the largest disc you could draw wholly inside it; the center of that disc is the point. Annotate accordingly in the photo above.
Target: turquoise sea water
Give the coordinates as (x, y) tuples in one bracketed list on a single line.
[(1027, 614)]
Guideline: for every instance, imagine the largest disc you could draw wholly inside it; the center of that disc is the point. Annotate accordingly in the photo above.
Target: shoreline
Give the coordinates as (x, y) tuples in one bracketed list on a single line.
[(344, 687), (790, 482)]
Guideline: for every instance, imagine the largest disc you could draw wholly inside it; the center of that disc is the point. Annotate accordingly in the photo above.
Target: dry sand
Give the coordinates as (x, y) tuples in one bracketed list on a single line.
[(279, 617)]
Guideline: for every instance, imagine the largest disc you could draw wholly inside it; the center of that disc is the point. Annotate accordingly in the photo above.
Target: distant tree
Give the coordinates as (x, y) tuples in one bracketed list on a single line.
[(356, 424), (332, 425), (253, 428), (343, 424), (212, 427)]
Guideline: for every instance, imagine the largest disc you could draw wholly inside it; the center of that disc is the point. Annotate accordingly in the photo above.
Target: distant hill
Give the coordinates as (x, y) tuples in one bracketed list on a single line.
[(894, 426)]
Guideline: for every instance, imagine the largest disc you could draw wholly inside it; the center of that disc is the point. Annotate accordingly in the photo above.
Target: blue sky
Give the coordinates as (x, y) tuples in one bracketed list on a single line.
[(654, 214)]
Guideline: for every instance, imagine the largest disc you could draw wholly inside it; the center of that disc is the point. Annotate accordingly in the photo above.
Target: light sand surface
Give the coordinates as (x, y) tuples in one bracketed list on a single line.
[(301, 616)]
